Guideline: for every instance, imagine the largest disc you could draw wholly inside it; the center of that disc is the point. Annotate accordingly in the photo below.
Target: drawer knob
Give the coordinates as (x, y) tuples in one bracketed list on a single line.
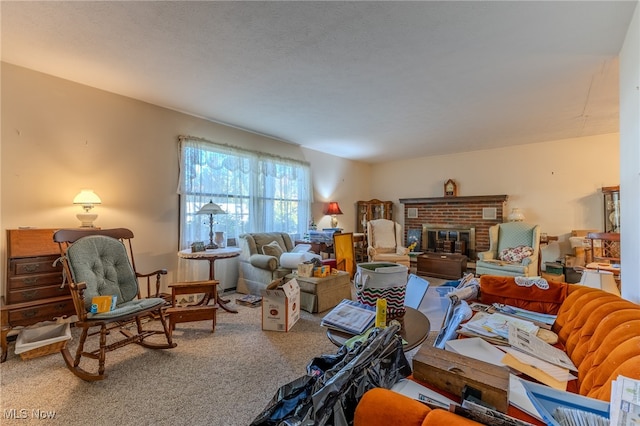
[(30, 314), (31, 280), (29, 294), (31, 268)]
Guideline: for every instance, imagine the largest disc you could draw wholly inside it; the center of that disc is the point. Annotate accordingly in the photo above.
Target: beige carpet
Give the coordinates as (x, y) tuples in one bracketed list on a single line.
[(221, 378)]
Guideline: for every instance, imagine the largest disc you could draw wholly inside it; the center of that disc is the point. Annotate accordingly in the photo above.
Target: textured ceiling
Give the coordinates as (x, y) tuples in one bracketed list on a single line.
[(370, 81)]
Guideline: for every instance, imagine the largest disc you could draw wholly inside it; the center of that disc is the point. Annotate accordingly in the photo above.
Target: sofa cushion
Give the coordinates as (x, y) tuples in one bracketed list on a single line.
[(384, 232), (272, 249), (496, 289), (515, 254)]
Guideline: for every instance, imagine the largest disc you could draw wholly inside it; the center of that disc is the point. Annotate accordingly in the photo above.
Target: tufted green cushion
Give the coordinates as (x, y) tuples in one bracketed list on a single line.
[(514, 234), (102, 262)]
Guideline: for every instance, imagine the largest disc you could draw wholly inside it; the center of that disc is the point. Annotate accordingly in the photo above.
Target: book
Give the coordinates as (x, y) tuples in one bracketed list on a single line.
[(350, 316), (249, 300)]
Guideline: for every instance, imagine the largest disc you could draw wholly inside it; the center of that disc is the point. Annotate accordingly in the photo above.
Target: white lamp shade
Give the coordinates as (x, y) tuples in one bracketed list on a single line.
[(211, 208), (602, 280), (87, 197), (516, 215)]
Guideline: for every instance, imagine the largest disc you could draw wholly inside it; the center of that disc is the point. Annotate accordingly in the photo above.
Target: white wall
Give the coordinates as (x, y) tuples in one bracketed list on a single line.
[(59, 137), (630, 159)]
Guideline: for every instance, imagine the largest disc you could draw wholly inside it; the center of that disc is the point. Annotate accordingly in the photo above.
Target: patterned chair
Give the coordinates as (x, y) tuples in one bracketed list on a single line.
[(513, 250)]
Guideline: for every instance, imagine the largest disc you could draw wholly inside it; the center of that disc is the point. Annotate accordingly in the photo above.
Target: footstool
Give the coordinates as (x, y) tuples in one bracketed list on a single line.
[(320, 294)]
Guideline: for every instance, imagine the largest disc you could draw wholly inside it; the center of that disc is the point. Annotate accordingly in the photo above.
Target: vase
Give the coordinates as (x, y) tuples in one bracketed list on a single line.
[(220, 239)]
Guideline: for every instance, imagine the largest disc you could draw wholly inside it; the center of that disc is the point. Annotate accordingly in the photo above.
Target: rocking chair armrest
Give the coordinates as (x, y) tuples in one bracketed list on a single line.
[(148, 276), (151, 274)]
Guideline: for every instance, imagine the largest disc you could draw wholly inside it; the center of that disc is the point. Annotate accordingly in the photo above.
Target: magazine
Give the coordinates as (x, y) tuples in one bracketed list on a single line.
[(350, 316), (249, 300)]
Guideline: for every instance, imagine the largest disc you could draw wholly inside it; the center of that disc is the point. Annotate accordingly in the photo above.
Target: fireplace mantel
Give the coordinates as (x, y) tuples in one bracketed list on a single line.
[(467, 199)]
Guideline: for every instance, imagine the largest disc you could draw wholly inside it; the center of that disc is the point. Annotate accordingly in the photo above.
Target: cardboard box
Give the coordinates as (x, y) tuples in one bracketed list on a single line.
[(305, 269), (554, 268), (281, 306), (321, 294), (553, 277), (450, 372), (321, 271)]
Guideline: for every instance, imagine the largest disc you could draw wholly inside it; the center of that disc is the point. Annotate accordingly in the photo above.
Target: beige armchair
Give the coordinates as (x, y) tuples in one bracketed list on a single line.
[(265, 257), (513, 250), (384, 239)]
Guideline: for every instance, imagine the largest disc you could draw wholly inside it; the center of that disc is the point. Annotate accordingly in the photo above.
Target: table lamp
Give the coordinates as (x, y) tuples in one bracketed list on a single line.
[(600, 279), (516, 215), (87, 198), (211, 209), (333, 209)]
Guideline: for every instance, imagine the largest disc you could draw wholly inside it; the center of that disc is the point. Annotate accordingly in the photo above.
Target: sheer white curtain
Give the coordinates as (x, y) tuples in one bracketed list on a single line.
[(259, 192)]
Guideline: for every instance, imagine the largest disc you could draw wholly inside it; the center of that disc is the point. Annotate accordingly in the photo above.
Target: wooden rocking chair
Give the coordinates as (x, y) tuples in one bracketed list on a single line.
[(96, 263)]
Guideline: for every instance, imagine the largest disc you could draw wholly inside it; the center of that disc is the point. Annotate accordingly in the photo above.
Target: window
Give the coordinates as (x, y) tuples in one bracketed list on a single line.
[(258, 191)]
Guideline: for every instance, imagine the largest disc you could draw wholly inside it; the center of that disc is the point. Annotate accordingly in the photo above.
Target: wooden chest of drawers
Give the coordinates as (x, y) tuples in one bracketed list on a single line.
[(33, 286), (441, 265)]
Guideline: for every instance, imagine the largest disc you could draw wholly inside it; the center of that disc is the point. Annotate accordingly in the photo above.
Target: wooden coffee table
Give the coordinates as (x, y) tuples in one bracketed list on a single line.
[(414, 331)]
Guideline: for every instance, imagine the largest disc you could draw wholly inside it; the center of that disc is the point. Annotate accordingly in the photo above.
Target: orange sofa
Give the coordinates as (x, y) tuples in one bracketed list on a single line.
[(599, 331)]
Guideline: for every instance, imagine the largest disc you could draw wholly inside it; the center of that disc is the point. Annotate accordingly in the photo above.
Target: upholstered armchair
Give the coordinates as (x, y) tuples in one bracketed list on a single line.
[(384, 238), (265, 257), (513, 250)]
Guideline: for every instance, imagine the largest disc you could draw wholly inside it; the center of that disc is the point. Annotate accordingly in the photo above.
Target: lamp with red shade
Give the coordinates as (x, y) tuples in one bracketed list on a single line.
[(333, 209)]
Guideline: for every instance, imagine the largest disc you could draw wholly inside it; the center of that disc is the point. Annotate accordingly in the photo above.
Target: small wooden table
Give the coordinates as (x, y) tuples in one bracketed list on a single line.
[(414, 331), (212, 255)]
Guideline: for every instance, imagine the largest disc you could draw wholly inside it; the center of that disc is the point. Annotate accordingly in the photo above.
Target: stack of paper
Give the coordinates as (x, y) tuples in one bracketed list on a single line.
[(625, 402), (496, 325), (538, 359), (350, 316)]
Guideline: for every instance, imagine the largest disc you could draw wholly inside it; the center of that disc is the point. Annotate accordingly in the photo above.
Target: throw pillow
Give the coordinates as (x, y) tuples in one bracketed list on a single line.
[(515, 254), (272, 249)]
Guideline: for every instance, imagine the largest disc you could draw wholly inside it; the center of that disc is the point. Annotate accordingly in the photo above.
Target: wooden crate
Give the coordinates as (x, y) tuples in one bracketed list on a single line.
[(450, 372)]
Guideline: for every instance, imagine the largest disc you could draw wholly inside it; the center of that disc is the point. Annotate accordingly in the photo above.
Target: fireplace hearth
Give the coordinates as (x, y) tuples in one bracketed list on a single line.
[(449, 239)]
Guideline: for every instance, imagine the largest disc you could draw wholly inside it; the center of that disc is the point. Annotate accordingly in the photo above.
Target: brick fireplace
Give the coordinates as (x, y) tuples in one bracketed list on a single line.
[(473, 214)]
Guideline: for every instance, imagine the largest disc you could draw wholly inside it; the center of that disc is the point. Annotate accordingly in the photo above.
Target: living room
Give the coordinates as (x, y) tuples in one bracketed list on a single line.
[(59, 136)]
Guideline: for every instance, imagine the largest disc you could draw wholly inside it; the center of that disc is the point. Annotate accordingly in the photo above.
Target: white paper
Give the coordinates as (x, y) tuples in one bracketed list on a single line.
[(414, 390), (558, 373), (533, 345), (476, 348), (518, 397)]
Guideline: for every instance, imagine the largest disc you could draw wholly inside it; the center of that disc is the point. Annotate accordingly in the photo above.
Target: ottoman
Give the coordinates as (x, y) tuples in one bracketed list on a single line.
[(320, 294)]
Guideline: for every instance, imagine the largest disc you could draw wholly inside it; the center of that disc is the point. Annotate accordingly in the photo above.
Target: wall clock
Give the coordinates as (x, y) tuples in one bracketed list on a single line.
[(450, 188)]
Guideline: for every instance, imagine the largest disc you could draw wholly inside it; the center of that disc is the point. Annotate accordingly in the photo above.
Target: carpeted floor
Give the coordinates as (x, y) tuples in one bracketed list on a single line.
[(221, 378)]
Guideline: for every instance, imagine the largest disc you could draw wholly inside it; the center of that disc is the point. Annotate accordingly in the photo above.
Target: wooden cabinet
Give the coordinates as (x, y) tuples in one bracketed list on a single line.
[(611, 200), (370, 210), (34, 289)]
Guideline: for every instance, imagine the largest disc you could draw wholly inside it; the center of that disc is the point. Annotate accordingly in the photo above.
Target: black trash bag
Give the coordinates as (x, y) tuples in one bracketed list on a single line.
[(331, 389)]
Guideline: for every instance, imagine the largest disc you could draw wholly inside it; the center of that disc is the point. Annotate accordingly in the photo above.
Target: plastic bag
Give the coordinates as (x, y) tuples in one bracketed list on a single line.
[(331, 389)]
